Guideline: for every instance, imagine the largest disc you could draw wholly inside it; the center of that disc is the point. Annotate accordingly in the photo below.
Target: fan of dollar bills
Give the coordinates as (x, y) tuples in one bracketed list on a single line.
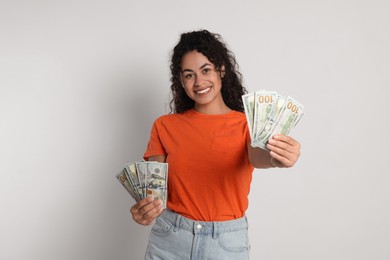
[(269, 113), (145, 179)]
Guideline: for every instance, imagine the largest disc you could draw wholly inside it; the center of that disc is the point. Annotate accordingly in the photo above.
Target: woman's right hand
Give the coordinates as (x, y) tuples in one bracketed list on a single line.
[(146, 210)]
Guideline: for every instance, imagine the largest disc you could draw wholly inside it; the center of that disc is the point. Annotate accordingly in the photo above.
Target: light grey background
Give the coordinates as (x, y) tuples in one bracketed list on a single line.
[(82, 81)]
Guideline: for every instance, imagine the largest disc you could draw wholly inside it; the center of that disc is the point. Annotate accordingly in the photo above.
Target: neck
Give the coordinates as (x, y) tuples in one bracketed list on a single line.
[(212, 109)]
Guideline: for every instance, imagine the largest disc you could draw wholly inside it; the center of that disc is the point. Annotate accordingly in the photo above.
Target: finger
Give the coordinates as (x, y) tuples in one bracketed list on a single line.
[(151, 214), (284, 150), (286, 143), (287, 139), (149, 220), (154, 213), (150, 206), (281, 161), (286, 156), (279, 148), (141, 204), (138, 209), (142, 212)]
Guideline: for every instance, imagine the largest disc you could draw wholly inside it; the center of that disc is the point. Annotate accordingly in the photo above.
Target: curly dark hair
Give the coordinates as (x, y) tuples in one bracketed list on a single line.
[(213, 47)]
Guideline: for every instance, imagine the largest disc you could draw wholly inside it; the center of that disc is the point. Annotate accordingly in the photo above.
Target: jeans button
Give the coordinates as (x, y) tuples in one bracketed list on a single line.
[(199, 226)]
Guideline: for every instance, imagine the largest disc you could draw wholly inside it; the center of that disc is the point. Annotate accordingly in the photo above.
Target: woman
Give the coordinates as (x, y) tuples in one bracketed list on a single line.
[(206, 143)]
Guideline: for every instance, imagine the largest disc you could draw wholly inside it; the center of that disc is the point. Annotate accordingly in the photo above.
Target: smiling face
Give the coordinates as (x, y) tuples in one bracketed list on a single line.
[(202, 83)]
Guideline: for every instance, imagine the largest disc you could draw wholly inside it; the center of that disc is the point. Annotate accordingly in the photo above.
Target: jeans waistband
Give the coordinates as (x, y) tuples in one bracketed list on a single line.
[(213, 228)]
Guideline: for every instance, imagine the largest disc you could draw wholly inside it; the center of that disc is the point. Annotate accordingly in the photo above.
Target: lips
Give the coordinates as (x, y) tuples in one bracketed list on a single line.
[(203, 91)]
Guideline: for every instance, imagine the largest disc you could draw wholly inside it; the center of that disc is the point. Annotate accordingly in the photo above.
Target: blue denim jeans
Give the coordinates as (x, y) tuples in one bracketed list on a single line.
[(176, 237)]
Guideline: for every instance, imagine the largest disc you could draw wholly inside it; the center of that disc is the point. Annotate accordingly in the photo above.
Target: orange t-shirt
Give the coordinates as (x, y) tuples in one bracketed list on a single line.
[(209, 172)]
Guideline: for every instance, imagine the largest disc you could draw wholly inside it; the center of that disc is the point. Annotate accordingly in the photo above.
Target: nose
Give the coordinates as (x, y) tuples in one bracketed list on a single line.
[(198, 81)]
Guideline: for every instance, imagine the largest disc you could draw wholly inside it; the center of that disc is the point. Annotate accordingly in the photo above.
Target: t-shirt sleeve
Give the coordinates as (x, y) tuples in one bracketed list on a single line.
[(155, 146)]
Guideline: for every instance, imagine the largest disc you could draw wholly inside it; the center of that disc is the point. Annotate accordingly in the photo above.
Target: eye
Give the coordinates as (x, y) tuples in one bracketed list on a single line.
[(188, 76), (206, 70)]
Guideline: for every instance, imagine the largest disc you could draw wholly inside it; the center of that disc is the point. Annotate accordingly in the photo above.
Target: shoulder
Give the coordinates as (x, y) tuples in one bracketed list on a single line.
[(168, 119), (238, 114)]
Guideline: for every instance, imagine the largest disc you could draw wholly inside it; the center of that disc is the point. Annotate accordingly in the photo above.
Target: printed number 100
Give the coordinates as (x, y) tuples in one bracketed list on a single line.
[(265, 99), (294, 108)]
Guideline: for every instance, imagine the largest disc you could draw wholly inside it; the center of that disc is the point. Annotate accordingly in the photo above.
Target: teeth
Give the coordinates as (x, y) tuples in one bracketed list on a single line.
[(203, 91)]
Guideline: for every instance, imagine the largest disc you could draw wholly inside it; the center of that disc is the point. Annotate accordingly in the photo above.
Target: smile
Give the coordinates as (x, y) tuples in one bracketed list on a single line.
[(203, 91)]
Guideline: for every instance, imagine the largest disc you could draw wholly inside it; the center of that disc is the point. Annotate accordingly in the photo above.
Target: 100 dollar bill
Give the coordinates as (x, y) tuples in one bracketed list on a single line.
[(249, 108), (156, 181), (269, 113), (287, 115), (265, 102), (145, 179)]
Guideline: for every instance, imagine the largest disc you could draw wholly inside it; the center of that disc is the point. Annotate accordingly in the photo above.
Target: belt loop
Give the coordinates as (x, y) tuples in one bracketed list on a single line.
[(177, 222), (215, 234)]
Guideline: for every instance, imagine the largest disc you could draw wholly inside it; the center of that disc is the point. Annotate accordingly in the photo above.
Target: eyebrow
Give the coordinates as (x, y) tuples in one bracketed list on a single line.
[(201, 67)]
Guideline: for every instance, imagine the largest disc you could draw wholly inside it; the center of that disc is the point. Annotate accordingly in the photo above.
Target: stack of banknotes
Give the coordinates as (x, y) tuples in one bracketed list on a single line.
[(145, 179), (269, 113)]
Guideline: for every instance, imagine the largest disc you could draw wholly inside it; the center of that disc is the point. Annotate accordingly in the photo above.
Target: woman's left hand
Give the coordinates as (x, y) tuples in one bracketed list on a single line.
[(284, 150)]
